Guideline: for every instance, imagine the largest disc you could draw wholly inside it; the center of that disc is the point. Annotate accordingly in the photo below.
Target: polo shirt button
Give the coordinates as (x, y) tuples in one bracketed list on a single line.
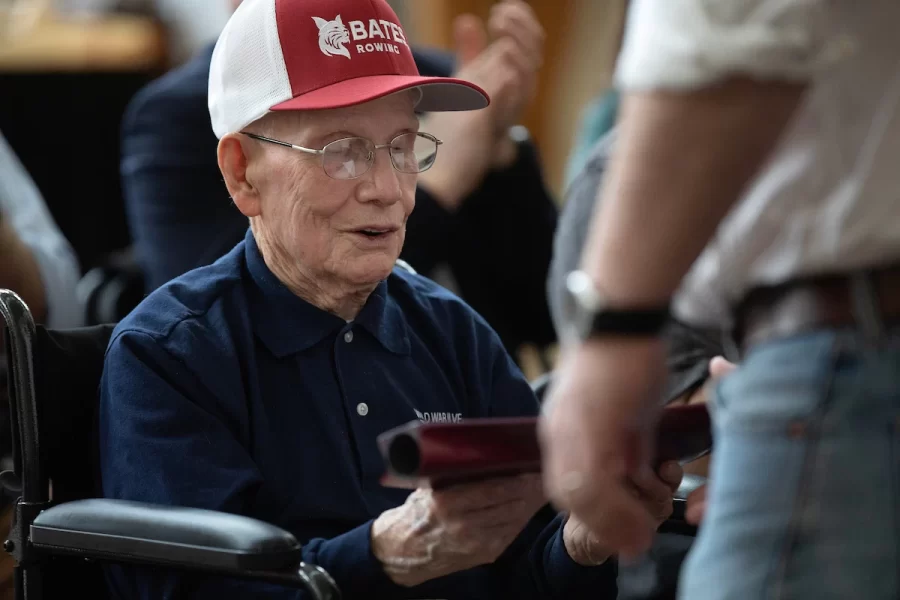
[(362, 408), (348, 337)]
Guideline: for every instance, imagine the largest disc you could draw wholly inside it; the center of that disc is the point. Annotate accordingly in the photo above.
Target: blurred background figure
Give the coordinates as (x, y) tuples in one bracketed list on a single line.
[(37, 261)]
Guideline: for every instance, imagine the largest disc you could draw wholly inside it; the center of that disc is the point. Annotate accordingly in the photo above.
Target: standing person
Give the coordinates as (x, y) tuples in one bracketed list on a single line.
[(691, 364), (754, 185)]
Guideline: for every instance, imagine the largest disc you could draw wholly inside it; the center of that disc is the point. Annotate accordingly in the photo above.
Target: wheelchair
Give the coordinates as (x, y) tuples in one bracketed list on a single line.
[(60, 541)]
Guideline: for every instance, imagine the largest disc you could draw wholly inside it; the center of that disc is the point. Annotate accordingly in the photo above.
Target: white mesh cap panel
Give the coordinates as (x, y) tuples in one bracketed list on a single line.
[(247, 75)]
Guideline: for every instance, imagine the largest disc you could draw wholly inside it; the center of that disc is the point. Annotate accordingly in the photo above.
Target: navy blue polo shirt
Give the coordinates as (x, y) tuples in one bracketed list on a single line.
[(223, 390)]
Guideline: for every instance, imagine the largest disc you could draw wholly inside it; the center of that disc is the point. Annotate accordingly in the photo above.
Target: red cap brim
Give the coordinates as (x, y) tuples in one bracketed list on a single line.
[(438, 93)]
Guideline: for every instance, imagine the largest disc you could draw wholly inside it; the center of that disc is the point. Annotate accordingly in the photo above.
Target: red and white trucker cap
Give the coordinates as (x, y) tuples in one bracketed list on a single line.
[(314, 54)]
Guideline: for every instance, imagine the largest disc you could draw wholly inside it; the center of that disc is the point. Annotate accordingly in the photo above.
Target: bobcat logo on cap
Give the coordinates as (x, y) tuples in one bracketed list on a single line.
[(332, 37)]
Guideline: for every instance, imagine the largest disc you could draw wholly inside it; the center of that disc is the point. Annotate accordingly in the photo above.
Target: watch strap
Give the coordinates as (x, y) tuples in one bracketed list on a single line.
[(637, 322)]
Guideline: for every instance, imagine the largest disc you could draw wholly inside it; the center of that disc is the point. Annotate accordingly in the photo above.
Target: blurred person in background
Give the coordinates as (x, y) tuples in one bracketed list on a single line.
[(754, 187), (36, 262), (598, 120), (484, 211)]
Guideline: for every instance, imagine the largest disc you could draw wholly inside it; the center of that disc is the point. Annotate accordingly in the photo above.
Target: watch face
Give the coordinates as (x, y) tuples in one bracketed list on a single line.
[(583, 304), (590, 314)]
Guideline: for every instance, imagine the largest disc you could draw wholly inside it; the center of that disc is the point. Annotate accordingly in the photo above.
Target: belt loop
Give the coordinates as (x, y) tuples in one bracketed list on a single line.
[(866, 307)]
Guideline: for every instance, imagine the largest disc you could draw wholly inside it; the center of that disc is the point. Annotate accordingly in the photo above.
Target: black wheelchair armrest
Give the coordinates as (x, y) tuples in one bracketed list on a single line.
[(191, 539), (194, 538)]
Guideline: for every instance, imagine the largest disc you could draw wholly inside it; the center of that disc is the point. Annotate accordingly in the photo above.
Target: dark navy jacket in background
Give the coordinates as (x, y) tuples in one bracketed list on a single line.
[(225, 391)]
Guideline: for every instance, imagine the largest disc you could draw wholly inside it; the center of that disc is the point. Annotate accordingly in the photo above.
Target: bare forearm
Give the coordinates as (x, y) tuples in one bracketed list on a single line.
[(681, 162), (19, 271)]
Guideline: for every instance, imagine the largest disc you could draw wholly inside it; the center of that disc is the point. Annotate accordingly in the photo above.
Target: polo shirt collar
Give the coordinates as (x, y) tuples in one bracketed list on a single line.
[(288, 324)]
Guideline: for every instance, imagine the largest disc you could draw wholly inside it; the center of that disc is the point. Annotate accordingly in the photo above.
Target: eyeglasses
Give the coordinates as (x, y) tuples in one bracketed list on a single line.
[(349, 158)]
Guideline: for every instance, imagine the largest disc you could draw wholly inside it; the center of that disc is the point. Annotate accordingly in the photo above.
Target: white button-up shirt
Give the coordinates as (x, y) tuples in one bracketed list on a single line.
[(828, 199)]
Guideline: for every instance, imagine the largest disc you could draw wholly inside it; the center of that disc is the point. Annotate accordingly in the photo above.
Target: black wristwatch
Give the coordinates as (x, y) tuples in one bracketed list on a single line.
[(591, 316)]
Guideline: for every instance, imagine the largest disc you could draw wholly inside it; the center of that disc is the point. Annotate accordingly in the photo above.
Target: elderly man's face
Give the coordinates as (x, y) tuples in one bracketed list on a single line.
[(318, 222)]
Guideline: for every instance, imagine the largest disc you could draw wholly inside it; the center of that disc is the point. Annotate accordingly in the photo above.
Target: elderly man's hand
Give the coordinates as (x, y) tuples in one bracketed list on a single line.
[(476, 141), (435, 533), (588, 547)]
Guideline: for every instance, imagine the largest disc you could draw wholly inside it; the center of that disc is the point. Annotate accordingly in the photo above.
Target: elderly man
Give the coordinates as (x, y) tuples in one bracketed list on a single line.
[(258, 384)]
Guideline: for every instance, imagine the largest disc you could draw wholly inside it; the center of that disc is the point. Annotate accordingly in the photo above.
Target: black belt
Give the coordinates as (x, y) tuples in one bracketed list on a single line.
[(869, 300)]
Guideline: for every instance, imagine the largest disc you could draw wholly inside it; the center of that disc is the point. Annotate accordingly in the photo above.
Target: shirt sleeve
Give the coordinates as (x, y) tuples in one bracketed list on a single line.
[(154, 412), (685, 44), (21, 202)]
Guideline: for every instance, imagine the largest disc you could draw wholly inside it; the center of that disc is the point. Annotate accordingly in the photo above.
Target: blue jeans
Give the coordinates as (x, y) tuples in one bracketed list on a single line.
[(804, 499)]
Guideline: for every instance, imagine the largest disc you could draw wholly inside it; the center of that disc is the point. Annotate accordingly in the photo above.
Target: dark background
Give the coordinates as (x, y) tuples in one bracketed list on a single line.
[(65, 129)]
